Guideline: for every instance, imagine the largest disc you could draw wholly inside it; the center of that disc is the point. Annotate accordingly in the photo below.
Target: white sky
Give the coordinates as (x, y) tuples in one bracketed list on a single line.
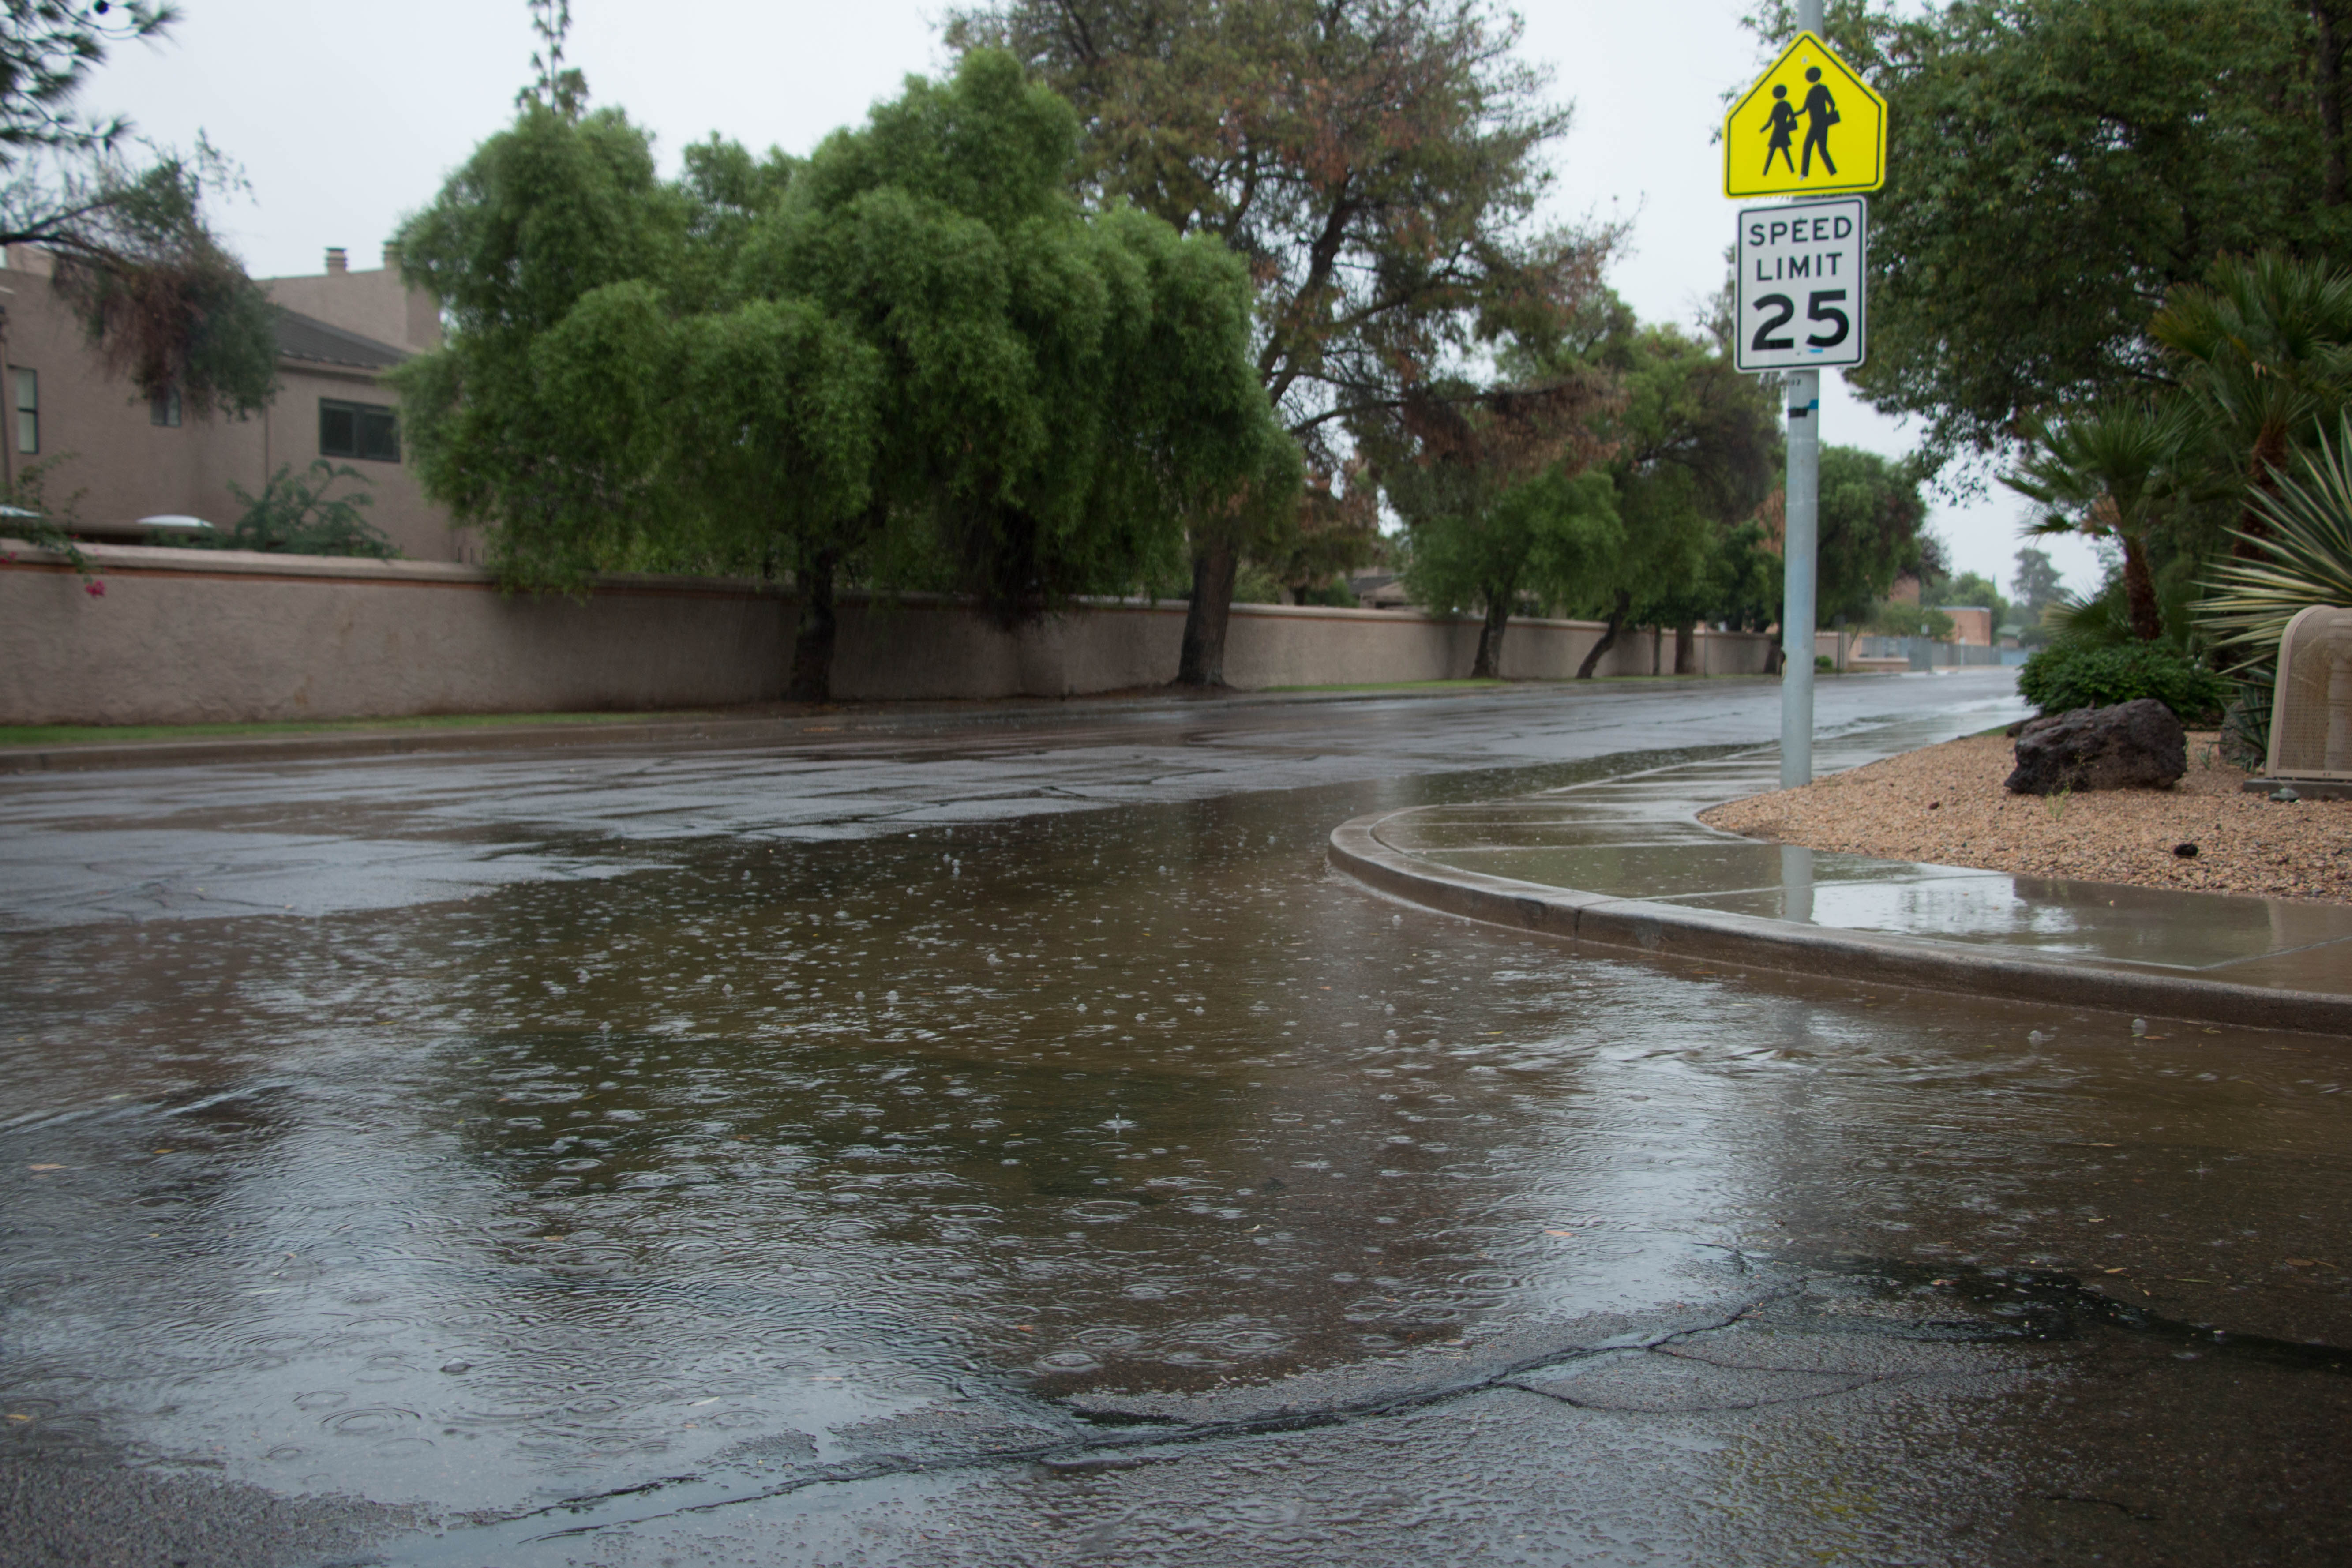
[(347, 117)]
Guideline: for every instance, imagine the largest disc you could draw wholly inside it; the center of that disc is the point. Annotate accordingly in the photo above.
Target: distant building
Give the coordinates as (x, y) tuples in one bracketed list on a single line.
[(1971, 625), (132, 457)]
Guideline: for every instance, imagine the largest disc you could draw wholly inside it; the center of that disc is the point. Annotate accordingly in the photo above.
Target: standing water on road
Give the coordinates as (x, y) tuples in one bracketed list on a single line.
[(660, 1135)]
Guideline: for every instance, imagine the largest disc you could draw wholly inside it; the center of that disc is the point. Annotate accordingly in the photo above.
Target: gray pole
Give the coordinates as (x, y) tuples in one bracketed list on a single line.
[(1799, 539)]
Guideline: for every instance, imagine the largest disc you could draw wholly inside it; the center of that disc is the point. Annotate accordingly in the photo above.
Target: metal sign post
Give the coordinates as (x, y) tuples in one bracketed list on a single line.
[(1798, 305), (1799, 298)]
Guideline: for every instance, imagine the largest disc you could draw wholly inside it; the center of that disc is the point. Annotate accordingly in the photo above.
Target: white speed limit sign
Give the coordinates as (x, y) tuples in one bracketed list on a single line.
[(1800, 285)]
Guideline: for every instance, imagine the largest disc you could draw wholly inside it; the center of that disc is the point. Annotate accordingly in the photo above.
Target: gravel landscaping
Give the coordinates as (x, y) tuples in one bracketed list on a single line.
[(1945, 806)]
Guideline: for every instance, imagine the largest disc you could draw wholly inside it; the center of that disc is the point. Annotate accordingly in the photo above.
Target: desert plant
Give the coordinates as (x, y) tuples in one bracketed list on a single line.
[(2305, 559), (2302, 557), (2071, 675), (294, 515)]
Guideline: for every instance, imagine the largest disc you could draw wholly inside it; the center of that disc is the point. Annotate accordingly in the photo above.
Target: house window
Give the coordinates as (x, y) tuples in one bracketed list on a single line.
[(368, 430), (28, 411), (163, 408)]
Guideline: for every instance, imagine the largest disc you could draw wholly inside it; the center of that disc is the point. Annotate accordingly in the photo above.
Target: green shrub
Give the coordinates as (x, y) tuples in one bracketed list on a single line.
[(293, 515), (2070, 674)]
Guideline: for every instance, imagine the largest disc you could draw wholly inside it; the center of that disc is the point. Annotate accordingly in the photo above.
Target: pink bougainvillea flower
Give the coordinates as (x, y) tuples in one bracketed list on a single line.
[(95, 590)]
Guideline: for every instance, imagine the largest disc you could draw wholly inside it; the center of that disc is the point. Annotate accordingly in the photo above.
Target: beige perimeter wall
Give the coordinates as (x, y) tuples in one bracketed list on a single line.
[(201, 637)]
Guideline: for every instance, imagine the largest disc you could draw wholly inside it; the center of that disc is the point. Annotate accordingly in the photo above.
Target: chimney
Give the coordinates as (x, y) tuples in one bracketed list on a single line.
[(392, 256), (337, 262)]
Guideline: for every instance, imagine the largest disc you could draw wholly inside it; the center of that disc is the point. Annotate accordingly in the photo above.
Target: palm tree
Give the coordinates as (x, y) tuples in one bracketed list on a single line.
[(2108, 472), (2266, 346)]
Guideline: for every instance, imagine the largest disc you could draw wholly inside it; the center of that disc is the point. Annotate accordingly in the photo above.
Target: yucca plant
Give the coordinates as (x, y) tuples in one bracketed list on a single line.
[(2302, 557)]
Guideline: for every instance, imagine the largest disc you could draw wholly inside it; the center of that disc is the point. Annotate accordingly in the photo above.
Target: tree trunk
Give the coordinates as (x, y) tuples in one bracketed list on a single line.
[(1203, 662), (2262, 474), (1607, 639), (1686, 648), (2139, 588), (1489, 665), (812, 637)]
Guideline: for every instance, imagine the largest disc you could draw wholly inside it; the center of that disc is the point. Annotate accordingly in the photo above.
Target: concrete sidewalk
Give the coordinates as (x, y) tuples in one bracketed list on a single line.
[(1626, 862)]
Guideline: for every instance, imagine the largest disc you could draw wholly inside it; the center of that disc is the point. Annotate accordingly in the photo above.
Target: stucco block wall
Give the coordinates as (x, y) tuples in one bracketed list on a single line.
[(205, 637)]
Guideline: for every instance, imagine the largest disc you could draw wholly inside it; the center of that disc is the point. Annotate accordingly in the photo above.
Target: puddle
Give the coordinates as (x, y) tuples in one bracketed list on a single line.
[(580, 1185)]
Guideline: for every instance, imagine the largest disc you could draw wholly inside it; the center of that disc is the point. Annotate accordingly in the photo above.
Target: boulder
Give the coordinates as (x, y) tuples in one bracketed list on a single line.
[(2132, 745)]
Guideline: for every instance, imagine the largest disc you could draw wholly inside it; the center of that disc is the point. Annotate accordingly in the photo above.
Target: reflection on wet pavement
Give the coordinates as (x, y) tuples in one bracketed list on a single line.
[(1117, 1183), (1637, 837)]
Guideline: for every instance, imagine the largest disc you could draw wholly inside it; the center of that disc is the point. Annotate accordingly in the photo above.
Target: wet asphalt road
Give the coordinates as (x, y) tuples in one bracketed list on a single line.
[(999, 1138)]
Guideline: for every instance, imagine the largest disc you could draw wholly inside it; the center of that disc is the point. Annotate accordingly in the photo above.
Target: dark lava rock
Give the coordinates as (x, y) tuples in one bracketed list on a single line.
[(2132, 745)]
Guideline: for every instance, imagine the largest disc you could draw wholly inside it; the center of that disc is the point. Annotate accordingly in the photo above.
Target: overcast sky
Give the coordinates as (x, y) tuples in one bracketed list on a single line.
[(348, 117)]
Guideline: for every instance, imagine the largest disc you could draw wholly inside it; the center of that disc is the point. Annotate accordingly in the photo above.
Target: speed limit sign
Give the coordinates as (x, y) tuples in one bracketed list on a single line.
[(1799, 287)]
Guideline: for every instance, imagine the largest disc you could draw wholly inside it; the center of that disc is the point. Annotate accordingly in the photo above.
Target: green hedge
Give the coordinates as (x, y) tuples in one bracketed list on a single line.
[(2070, 675)]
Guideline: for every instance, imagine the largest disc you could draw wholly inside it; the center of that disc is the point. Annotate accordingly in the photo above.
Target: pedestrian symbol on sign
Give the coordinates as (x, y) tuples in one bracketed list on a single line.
[(1824, 129), (1781, 126), (1821, 113)]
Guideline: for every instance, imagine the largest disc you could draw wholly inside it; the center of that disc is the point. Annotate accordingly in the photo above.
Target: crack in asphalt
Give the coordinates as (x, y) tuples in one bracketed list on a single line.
[(1107, 1449), (2123, 1508), (2055, 1307)]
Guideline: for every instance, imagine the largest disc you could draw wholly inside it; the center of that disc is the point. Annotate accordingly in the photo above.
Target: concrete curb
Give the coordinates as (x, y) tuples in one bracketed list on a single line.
[(1861, 957)]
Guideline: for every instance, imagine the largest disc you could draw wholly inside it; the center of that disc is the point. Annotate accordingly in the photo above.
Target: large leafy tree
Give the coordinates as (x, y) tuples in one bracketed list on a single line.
[(162, 300), (1693, 450), (917, 360), (1378, 163), (1697, 450), (1873, 528), (510, 424), (2057, 166), (1498, 493)]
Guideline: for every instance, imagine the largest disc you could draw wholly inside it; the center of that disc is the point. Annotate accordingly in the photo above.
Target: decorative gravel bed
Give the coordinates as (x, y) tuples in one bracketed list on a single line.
[(1945, 806)]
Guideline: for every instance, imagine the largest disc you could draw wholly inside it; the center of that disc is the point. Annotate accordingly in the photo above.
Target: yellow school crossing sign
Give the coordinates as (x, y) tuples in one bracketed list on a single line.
[(1809, 127)]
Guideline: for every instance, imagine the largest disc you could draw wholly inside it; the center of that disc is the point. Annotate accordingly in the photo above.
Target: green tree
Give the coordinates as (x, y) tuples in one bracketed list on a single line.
[(162, 301), (557, 465), (1063, 389), (2056, 166), (1870, 527), (1696, 450), (915, 360), (1499, 498), (2034, 585), (1377, 161), (1974, 588)]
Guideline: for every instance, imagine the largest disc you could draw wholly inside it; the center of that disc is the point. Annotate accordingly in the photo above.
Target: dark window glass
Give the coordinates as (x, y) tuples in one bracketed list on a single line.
[(368, 430), (164, 408), (28, 411)]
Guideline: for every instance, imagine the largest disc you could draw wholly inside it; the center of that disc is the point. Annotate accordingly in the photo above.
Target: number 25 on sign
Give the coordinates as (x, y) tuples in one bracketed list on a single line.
[(1800, 290)]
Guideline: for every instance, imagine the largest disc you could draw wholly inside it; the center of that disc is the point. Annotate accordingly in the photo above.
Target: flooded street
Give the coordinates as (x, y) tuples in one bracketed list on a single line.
[(1005, 1139)]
